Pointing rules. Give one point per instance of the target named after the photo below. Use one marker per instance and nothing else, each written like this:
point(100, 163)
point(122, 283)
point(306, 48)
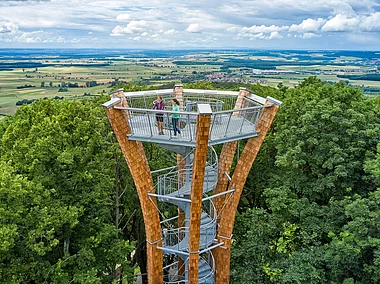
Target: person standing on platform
point(175, 116)
point(159, 105)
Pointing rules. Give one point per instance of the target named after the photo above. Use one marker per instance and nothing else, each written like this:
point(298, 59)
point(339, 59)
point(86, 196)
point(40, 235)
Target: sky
point(179, 24)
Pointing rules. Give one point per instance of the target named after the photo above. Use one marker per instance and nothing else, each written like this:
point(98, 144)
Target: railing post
point(150, 125)
point(242, 121)
point(228, 125)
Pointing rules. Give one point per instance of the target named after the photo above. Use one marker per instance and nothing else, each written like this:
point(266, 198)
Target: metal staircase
point(174, 188)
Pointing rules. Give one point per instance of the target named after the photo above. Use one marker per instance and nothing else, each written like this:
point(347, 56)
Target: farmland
point(27, 75)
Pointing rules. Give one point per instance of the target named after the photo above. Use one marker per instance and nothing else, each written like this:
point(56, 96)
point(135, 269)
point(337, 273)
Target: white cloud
point(123, 17)
point(193, 28)
point(29, 37)
point(132, 28)
point(307, 35)
point(275, 35)
point(272, 35)
point(74, 20)
point(259, 32)
point(340, 23)
point(371, 23)
point(56, 39)
point(117, 31)
point(264, 29)
point(171, 32)
point(308, 25)
point(257, 36)
point(8, 28)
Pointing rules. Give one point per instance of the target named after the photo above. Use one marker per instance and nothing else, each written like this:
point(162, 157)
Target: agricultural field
point(27, 75)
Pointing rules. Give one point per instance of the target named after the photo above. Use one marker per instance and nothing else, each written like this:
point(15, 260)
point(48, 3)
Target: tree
point(308, 179)
point(200, 85)
point(28, 216)
point(58, 202)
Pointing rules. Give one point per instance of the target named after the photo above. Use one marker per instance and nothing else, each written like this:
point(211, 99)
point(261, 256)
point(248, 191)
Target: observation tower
point(189, 208)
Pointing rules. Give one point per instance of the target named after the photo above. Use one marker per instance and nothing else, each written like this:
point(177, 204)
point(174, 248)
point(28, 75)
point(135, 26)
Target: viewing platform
point(231, 118)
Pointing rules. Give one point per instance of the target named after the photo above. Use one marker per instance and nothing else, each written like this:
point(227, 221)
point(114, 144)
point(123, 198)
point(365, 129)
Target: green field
point(46, 81)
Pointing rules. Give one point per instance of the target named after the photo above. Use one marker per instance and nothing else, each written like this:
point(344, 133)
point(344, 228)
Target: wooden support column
point(200, 157)
point(226, 157)
point(178, 94)
point(137, 162)
point(227, 216)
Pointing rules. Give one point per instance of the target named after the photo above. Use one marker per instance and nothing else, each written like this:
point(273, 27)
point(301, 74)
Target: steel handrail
point(171, 183)
point(185, 112)
point(212, 268)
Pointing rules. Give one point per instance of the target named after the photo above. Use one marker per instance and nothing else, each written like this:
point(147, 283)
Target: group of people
point(160, 105)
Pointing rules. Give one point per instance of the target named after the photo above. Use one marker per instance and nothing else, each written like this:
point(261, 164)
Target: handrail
point(211, 92)
point(155, 111)
point(185, 112)
point(212, 268)
point(163, 170)
point(175, 279)
point(169, 184)
point(215, 164)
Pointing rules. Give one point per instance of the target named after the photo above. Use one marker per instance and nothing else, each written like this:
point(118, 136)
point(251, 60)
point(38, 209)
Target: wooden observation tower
point(200, 185)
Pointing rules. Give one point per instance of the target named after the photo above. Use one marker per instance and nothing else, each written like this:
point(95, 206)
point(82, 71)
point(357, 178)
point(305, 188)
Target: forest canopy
point(309, 212)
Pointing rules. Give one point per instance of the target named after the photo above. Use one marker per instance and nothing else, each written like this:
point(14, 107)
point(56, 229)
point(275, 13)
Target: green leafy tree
point(311, 165)
point(64, 229)
point(203, 85)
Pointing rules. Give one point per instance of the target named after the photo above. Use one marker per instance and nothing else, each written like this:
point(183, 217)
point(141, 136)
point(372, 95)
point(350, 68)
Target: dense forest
point(369, 77)
point(310, 211)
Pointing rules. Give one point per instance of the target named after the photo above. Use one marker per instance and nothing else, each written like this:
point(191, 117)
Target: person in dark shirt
point(159, 105)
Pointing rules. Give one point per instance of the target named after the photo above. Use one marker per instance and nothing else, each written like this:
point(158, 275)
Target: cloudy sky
point(177, 24)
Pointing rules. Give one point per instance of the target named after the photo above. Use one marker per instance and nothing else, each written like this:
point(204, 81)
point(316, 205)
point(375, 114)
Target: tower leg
point(200, 157)
point(227, 215)
point(138, 164)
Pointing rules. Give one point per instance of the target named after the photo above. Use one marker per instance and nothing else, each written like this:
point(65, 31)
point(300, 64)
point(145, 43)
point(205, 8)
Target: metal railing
point(248, 102)
point(224, 124)
point(206, 260)
point(144, 123)
point(210, 262)
point(191, 103)
point(145, 99)
point(177, 238)
point(234, 123)
point(172, 183)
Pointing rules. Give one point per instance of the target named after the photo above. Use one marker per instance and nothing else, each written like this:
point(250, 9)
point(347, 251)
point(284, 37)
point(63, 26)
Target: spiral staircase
point(174, 188)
